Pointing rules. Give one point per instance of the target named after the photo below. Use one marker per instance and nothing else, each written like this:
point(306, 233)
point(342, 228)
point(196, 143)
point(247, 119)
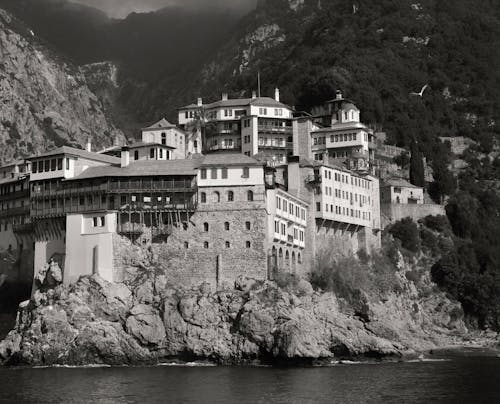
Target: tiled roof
point(241, 102)
point(144, 168)
point(161, 124)
point(229, 159)
point(145, 144)
point(399, 182)
point(71, 151)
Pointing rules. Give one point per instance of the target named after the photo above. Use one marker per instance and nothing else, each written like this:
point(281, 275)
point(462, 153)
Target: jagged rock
point(95, 321)
point(244, 284)
point(45, 102)
point(145, 324)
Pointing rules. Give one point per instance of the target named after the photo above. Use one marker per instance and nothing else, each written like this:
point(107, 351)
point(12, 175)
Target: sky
point(121, 8)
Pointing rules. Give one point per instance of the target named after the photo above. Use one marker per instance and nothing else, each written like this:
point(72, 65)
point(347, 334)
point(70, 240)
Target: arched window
point(228, 244)
point(186, 245)
point(248, 225)
point(246, 172)
point(226, 226)
point(299, 259)
point(280, 258)
point(203, 197)
point(250, 196)
point(287, 259)
point(230, 196)
point(206, 227)
point(216, 197)
point(205, 245)
point(248, 244)
point(294, 267)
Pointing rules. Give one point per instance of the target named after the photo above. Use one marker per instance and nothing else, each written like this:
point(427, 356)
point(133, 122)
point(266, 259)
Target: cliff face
point(45, 102)
point(146, 321)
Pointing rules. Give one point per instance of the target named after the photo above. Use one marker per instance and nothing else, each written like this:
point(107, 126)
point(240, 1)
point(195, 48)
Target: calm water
point(459, 380)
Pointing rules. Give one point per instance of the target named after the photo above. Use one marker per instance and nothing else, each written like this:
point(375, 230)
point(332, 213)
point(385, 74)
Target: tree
point(417, 172)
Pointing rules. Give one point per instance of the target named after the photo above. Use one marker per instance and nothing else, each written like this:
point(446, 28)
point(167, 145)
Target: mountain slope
point(44, 100)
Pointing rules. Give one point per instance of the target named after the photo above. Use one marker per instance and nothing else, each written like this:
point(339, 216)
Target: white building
point(401, 191)
point(256, 125)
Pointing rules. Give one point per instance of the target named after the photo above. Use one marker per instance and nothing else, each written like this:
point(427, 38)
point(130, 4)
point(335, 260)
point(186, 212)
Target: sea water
point(468, 378)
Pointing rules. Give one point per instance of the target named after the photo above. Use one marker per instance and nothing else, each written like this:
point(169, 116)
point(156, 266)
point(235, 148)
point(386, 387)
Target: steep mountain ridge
point(45, 100)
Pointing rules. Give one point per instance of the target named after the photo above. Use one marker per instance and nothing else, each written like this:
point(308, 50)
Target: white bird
point(421, 93)
point(32, 33)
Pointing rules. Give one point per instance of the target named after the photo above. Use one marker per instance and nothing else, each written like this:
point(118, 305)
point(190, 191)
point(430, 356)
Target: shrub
point(429, 241)
point(406, 231)
point(437, 223)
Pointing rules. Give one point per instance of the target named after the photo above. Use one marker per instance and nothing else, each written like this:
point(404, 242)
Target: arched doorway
point(280, 259)
point(287, 260)
point(294, 263)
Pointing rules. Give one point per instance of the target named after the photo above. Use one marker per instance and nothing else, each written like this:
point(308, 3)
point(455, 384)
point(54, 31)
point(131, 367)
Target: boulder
point(145, 325)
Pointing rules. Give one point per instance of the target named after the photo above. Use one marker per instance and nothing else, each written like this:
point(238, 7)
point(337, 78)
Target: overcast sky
point(121, 8)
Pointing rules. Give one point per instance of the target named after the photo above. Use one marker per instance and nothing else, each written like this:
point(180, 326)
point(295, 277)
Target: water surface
point(459, 379)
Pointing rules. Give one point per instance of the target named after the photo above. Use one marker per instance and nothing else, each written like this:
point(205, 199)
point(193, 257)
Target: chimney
point(294, 179)
point(125, 156)
point(88, 146)
point(338, 95)
point(199, 101)
point(277, 94)
point(224, 96)
point(254, 95)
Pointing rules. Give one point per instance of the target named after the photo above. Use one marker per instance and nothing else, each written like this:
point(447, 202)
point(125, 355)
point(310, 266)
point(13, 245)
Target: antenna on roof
point(258, 83)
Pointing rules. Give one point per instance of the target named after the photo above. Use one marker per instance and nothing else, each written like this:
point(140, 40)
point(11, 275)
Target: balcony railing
point(18, 211)
point(275, 129)
point(25, 228)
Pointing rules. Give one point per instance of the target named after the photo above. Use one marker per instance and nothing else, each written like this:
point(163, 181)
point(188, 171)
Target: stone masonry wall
point(193, 255)
point(392, 212)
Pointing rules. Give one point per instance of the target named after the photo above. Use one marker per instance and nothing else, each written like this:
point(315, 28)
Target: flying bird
point(421, 93)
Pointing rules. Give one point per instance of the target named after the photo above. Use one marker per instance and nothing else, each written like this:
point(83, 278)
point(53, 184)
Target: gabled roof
point(71, 151)
point(161, 124)
point(399, 182)
point(229, 159)
point(241, 102)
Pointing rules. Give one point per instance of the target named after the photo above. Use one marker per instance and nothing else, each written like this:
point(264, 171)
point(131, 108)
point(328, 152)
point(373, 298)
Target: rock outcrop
point(146, 321)
point(44, 101)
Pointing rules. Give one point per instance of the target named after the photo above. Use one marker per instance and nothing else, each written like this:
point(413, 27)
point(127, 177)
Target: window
point(246, 172)
point(203, 174)
point(224, 173)
point(248, 225)
point(161, 153)
point(186, 245)
point(217, 197)
point(250, 196)
point(230, 196)
point(248, 244)
point(228, 244)
point(203, 197)
point(81, 201)
point(226, 226)
point(214, 173)
point(228, 112)
point(205, 245)
point(206, 227)
point(35, 167)
point(123, 200)
point(136, 155)
point(59, 164)
point(163, 138)
point(318, 206)
point(152, 153)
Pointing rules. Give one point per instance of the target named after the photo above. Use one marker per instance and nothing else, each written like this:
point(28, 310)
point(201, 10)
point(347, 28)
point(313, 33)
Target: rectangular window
point(203, 174)
point(224, 173)
point(35, 167)
point(318, 206)
point(214, 173)
point(246, 172)
point(53, 165)
point(46, 165)
point(67, 163)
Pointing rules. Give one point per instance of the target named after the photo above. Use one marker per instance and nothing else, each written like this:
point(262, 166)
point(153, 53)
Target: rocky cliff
point(45, 101)
point(148, 321)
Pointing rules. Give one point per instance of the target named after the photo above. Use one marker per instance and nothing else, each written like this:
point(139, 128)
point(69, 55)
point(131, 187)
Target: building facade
point(251, 126)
